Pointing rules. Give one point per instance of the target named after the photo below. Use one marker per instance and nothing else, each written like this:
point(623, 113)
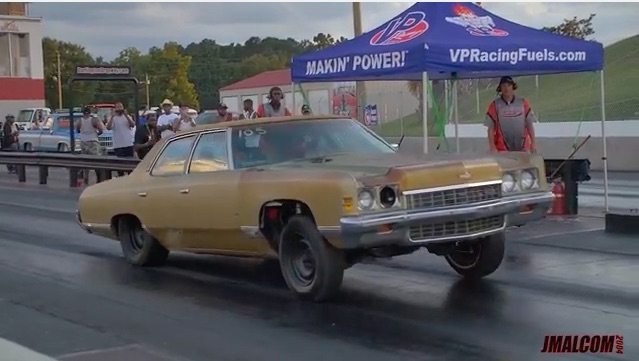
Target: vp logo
point(401, 29)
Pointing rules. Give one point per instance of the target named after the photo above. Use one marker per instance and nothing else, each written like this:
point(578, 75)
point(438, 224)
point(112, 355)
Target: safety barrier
point(103, 165)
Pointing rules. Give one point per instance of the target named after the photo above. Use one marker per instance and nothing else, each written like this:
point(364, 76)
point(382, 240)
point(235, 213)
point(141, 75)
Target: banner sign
point(102, 70)
point(370, 115)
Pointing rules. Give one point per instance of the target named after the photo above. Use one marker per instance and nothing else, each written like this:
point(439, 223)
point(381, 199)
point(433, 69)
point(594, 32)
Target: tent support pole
point(425, 110)
point(456, 114)
point(603, 138)
point(293, 105)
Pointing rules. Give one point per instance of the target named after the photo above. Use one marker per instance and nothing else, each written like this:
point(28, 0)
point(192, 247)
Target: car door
point(209, 212)
point(162, 194)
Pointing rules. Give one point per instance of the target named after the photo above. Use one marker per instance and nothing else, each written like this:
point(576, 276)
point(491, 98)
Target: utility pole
point(59, 78)
point(146, 87)
point(360, 86)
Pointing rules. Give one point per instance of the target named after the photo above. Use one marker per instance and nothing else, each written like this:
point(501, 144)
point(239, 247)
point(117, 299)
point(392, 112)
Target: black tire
point(28, 147)
point(301, 248)
point(138, 246)
point(478, 259)
point(63, 148)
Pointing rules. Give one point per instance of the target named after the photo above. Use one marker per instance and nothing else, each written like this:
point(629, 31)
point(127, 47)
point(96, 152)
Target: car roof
point(258, 121)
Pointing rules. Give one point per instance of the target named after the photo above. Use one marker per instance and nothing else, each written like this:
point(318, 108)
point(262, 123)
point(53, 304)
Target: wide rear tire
point(138, 246)
point(311, 267)
point(478, 259)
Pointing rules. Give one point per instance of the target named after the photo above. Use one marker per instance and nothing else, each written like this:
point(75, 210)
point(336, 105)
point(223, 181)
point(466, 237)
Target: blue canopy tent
point(451, 41)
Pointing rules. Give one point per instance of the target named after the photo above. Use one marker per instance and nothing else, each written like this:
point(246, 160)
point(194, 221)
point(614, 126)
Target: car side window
point(210, 153)
point(174, 156)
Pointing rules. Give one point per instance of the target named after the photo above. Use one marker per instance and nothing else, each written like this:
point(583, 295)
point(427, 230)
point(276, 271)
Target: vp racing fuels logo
point(475, 25)
point(401, 29)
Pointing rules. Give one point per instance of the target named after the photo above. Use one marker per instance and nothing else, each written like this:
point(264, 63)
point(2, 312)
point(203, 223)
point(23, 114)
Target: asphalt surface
point(63, 292)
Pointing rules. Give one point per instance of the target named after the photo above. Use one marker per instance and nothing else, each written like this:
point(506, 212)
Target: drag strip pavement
point(64, 292)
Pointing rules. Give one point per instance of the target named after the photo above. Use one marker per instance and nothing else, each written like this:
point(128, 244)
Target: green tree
point(168, 72)
point(71, 55)
point(322, 41)
point(575, 28)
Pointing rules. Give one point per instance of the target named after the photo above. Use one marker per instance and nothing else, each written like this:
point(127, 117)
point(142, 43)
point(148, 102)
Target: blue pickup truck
point(54, 136)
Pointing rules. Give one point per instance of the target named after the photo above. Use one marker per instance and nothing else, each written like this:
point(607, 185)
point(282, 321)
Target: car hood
point(376, 164)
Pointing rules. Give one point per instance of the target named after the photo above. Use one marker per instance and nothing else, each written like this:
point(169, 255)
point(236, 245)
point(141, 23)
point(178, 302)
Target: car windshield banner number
point(246, 133)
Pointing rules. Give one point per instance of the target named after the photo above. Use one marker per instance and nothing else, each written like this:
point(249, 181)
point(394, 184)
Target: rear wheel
point(63, 148)
point(478, 259)
point(28, 147)
point(311, 267)
point(138, 246)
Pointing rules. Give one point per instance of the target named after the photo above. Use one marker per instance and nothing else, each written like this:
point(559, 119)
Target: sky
point(106, 28)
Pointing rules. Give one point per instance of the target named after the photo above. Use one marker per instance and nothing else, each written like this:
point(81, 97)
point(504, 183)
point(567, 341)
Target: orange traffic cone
point(558, 207)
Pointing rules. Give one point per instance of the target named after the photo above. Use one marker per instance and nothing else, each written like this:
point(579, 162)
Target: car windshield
point(63, 121)
point(265, 144)
point(25, 116)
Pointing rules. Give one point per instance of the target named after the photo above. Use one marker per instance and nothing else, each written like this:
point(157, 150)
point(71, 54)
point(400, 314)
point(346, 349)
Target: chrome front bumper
point(79, 220)
point(392, 228)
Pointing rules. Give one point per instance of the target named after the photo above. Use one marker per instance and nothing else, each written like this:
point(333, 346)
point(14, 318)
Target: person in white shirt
point(89, 128)
point(184, 122)
point(121, 124)
point(166, 121)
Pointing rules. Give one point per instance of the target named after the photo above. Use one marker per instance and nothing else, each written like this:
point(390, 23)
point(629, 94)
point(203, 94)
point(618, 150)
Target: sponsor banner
point(356, 63)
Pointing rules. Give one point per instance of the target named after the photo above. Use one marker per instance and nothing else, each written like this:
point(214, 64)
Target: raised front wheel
point(311, 267)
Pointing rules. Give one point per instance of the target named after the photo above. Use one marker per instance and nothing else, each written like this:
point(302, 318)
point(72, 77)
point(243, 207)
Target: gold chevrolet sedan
point(317, 193)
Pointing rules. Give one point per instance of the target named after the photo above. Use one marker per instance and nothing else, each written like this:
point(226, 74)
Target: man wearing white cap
point(167, 119)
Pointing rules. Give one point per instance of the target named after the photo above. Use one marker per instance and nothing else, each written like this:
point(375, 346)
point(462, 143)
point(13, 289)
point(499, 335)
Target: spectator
point(222, 114)
point(167, 119)
point(509, 120)
point(10, 139)
point(146, 136)
point(184, 122)
point(274, 107)
point(121, 124)
point(89, 127)
point(306, 110)
point(248, 113)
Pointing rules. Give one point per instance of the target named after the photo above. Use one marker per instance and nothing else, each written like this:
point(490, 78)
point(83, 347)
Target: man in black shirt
point(146, 136)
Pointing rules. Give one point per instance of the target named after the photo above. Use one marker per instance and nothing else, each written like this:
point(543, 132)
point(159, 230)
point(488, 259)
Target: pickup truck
point(53, 136)
point(30, 117)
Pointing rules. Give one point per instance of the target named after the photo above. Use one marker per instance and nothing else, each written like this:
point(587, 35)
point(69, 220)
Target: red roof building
point(257, 87)
point(266, 79)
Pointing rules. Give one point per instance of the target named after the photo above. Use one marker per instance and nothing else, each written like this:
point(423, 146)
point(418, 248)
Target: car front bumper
point(393, 228)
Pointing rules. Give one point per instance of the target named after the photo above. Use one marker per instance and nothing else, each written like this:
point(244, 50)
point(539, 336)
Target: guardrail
point(103, 165)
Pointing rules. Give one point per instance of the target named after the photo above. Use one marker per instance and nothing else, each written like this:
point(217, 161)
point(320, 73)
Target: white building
point(21, 63)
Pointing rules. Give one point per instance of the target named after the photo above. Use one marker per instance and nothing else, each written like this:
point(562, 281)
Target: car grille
point(455, 229)
point(453, 197)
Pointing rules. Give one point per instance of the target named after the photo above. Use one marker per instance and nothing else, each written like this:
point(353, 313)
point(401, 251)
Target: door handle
point(142, 194)
point(184, 191)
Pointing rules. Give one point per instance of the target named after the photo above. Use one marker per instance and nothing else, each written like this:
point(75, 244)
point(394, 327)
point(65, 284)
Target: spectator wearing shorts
point(89, 128)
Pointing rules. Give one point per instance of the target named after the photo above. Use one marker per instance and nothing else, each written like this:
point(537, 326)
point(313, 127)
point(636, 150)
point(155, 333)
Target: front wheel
point(478, 259)
point(138, 246)
point(311, 267)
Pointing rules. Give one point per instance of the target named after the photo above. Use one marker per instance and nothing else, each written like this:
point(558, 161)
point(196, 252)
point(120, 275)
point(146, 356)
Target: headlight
point(387, 197)
point(365, 200)
point(529, 180)
point(508, 183)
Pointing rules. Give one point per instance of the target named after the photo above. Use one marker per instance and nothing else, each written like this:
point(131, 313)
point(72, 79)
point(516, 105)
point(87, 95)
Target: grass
point(562, 97)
